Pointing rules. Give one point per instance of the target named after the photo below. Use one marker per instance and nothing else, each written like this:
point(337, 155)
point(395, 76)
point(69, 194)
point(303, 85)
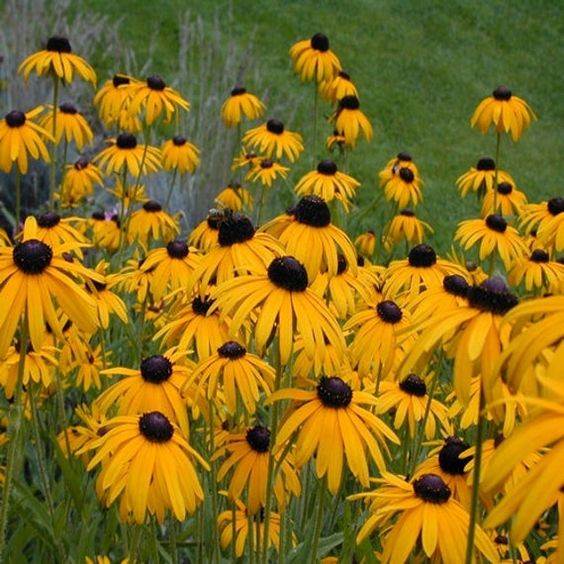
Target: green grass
point(421, 68)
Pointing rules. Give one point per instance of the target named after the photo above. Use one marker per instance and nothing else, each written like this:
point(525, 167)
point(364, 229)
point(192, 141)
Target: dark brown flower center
point(156, 83)
point(502, 93)
point(456, 285)
point(238, 91)
point(344, 75)
point(178, 141)
point(266, 163)
point(100, 216)
point(126, 141)
point(555, 206)
point(15, 118)
point(327, 167)
point(499, 438)
point(431, 488)
point(449, 460)
point(152, 206)
point(389, 311)
point(333, 392)
point(119, 79)
point(486, 163)
point(68, 108)
point(275, 126)
point(538, 255)
point(58, 44)
point(320, 42)
point(155, 427)
point(235, 228)
point(407, 213)
point(504, 188)
point(177, 249)
point(232, 350)
point(492, 295)
point(406, 174)
point(312, 210)
point(496, 223)
point(32, 256)
point(349, 103)
point(414, 386)
point(81, 163)
point(422, 256)
point(288, 273)
point(48, 219)
point(156, 369)
point(404, 156)
point(258, 438)
point(341, 264)
point(201, 307)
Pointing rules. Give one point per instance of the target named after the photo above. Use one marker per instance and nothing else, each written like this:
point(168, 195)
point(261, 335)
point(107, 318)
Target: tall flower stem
point(260, 207)
point(18, 199)
point(171, 187)
point(318, 521)
point(476, 482)
point(54, 143)
point(315, 115)
point(216, 551)
point(497, 144)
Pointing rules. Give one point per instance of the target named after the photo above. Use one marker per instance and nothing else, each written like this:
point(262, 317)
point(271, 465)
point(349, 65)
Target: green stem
point(171, 187)
point(233, 532)
point(154, 541)
point(173, 549)
point(250, 536)
point(315, 113)
point(53, 155)
point(214, 501)
point(497, 144)
point(134, 544)
point(18, 198)
point(318, 521)
point(260, 206)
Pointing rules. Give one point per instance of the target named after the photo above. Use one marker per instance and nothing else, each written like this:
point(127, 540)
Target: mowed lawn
point(421, 68)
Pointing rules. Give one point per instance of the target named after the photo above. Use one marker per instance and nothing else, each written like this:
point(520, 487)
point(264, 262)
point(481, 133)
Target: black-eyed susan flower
point(313, 59)
point(481, 178)
point(248, 458)
point(494, 234)
point(536, 271)
point(153, 97)
point(206, 234)
point(350, 121)
point(240, 103)
point(107, 302)
point(408, 400)
point(235, 197)
point(55, 231)
point(128, 193)
point(312, 238)
point(247, 159)
point(266, 172)
point(180, 155)
point(238, 373)
point(113, 100)
point(334, 425)
point(91, 362)
point(106, 231)
point(328, 183)
point(274, 140)
point(366, 243)
point(20, 139)
point(404, 188)
point(429, 519)
point(155, 386)
point(341, 85)
point(124, 152)
point(335, 141)
point(509, 200)
point(402, 160)
point(152, 223)
point(407, 227)
point(57, 59)
point(146, 460)
point(35, 277)
point(280, 296)
point(505, 111)
point(70, 125)
point(548, 220)
point(79, 180)
point(329, 361)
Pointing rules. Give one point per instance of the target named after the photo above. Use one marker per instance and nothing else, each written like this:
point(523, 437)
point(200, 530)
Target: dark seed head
point(48, 219)
point(496, 223)
point(456, 285)
point(68, 108)
point(404, 156)
point(288, 273)
point(32, 256)
point(341, 264)
point(232, 350)
point(501, 539)
point(275, 126)
point(152, 206)
point(406, 174)
point(81, 163)
point(156, 83)
point(58, 44)
point(200, 307)
point(327, 167)
point(389, 311)
point(238, 90)
point(499, 438)
point(486, 163)
point(555, 206)
point(502, 93)
point(431, 488)
point(349, 103)
point(155, 427)
point(156, 369)
point(126, 141)
point(258, 438)
point(449, 460)
point(333, 392)
point(320, 42)
point(538, 255)
point(360, 260)
point(177, 249)
point(422, 256)
point(492, 295)
point(119, 79)
point(213, 221)
point(100, 216)
point(344, 75)
point(178, 141)
point(414, 386)
point(235, 228)
point(15, 118)
point(266, 163)
point(100, 286)
point(504, 188)
point(407, 213)
point(313, 210)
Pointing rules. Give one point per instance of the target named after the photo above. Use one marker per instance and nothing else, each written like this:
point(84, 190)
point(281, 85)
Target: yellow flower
point(235, 197)
point(113, 100)
point(510, 201)
point(404, 188)
point(151, 223)
point(537, 270)
point(406, 226)
point(337, 87)
point(125, 152)
point(273, 139)
point(366, 243)
point(70, 124)
point(266, 171)
point(240, 103)
point(79, 181)
point(350, 121)
point(393, 166)
point(314, 60)
point(481, 178)
point(179, 155)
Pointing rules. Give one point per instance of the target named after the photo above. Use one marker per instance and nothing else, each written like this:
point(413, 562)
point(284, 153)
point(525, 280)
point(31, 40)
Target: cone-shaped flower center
point(32, 256)
point(320, 42)
point(555, 206)
point(389, 311)
point(492, 295)
point(156, 83)
point(456, 285)
point(349, 103)
point(238, 90)
point(498, 439)
point(414, 386)
point(312, 210)
point(449, 460)
point(119, 79)
point(288, 273)
point(98, 215)
point(152, 206)
point(486, 163)
point(333, 392)
point(404, 156)
point(213, 221)
point(235, 228)
point(258, 438)
point(422, 256)
point(178, 141)
point(275, 126)
point(81, 163)
point(15, 118)
point(100, 286)
point(177, 249)
point(232, 350)
point(538, 255)
point(431, 488)
point(502, 93)
point(156, 369)
point(341, 264)
point(407, 213)
point(155, 427)
point(68, 108)
point(504, 188)
point(344, 75)
point(126, 141)
point(496, 223)
point(48, 219)
point(58, 44)
point(406, 174)
point(266, 163)
point(327, 167)
point(200, 307)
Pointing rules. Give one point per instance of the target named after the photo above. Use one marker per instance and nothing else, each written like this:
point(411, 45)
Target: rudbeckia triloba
point(280, 299)
point(430, 520)
point(155, 386)
point(333, 89)
point(147, 462)
point(536, 270)
point(404, 188)
point(125, 152)
point(106, 231)
point(333, 424)
point(20, 139)
point(405, 226)
point(548, 218)
point(247, 159)
point(366, 243)
point(393, 166)
point(34, 278)
point(328, 183)
point(113, 103)
point(237, 372)
point(151, 223)
point(330, 360)
point(312, 238)
point(351, 121)
point(180, 155)
point(205, 235)
point(505, 111)
point(107, 301)
point(510, 201)
point(240, 103)
point(79, 180)
point(248, 456)
point(408, 399)
point(57, 59)
point(481, 178)
point(335, 141)
point(235, 197)
point(89, 366)
point(494, 235)
point(154, 97)
point(314, 60)
point(54, 231)
point(273, 139)
point(70, 125)
point(266, 171)
point(128, 194)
